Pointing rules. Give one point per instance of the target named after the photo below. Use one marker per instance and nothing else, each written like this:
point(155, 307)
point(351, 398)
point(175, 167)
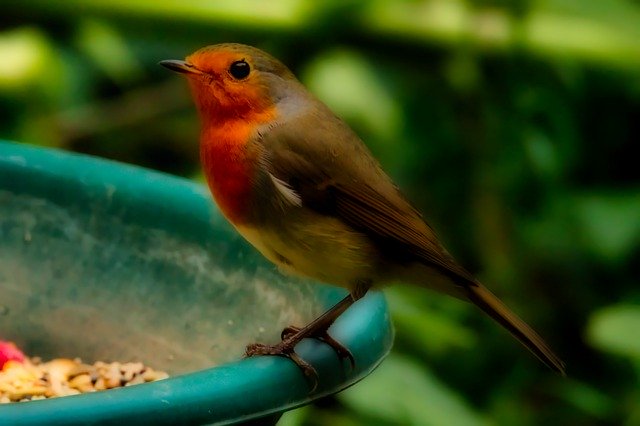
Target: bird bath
point(111, 262)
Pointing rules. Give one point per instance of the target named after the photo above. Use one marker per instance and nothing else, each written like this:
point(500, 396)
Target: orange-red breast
point(302, 188)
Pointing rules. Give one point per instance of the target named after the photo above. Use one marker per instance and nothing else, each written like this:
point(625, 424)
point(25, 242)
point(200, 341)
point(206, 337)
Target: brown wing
point(340, 177)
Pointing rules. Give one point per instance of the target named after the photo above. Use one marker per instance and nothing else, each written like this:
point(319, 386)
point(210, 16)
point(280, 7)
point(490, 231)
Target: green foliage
point(615, 329)
point(511, 124)
point(405, 391)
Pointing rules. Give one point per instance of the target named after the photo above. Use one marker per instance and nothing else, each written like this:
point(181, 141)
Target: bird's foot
point(323, 336)
point(285, 349)
point(317, 328)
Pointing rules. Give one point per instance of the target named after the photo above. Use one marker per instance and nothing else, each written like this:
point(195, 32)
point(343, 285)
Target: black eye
point(239, 69)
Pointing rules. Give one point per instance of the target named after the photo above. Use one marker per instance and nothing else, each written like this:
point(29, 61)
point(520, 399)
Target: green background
point(509, 123)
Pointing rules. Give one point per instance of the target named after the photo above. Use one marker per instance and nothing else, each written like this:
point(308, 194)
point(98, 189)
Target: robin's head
point(234, 79)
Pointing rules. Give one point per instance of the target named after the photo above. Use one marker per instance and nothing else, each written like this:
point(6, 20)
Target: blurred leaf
point(277, 14)
point(428, 329)
point(462, 72)
point(633, 419)
point(403, 391)
point(26, 54)
point(542, 154)
point(545, 29)
point(108, 50)
point(605, 224)
point(622, 14)
point(610, 223)
point(295, 417)
point(586, 398)
point(616, 329)
point(346, 81)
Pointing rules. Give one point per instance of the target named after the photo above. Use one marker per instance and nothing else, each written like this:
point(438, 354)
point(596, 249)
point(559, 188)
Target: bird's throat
point(230, 166)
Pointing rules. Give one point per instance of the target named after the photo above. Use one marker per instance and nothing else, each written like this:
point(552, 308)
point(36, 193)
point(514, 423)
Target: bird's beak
point(180, 66)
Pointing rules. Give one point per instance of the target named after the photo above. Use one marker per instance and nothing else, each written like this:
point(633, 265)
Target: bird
point(301, 187)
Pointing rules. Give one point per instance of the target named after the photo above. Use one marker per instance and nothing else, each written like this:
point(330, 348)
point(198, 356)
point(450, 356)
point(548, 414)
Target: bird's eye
point(239, 69)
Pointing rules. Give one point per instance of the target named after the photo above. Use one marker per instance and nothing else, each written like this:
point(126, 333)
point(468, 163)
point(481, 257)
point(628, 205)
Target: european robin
point(304, 190)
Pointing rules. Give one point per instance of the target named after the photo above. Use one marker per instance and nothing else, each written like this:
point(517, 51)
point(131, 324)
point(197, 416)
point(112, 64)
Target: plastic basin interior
point(107, 261)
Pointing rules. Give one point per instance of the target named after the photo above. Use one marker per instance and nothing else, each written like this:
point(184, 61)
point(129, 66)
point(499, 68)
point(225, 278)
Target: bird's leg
point(321, 333)
point(291, 336)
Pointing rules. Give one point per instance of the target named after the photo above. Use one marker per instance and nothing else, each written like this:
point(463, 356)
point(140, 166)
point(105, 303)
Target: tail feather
point(491, 305)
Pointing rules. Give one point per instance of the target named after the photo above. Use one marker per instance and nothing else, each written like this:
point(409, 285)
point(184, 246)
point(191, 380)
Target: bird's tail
point(491, 305)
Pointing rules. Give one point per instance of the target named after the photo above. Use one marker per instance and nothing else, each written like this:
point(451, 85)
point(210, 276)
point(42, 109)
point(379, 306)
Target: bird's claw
point(323, 336)
point(285, 349)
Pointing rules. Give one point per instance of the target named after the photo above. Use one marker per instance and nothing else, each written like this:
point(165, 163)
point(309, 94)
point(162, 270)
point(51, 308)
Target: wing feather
point(371, 204)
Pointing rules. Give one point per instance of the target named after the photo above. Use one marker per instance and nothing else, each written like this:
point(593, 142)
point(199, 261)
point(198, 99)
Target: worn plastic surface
point(107, 261)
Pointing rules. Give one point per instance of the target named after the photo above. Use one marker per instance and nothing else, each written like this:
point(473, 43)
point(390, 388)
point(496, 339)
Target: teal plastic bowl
point(111, 262)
